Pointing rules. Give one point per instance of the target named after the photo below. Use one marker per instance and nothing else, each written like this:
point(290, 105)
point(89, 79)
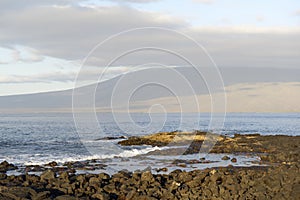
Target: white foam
point(39, 159)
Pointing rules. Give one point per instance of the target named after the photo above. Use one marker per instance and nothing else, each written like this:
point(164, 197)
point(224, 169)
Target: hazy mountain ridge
point(62, 100)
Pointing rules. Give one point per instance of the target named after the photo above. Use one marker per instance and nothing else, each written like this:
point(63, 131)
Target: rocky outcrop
point(281, 182)
point(170, 138)
point(274, 149)
point(278, 179)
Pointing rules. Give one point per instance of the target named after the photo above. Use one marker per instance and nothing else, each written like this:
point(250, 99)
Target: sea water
point(27, 139)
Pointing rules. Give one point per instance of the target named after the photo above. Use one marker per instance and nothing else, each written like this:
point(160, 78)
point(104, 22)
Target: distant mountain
point(178, 81)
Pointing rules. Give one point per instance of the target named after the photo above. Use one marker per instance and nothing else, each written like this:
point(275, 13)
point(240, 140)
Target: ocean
point(29, 139)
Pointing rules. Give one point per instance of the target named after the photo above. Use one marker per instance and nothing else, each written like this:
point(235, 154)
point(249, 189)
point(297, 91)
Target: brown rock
point(41, 195)
point(47, 175)
point(3, 176)
point(131, 195)
point(225, 158)
point(65, 197)
point(5, 166)
point(101, 196)
point(52, 164)
point(147, 176)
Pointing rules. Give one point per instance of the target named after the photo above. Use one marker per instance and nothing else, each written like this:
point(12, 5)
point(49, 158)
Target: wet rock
point(147, 169)
point(225, 158)
point(181, 165)
point(34, 168)
point(195, 161)
point(112, 138)
point(278, 180)
point(52, 164)
point(141, 141)
point(5, 166)
point(164, 169)
point(177, 161)
point(234, 160)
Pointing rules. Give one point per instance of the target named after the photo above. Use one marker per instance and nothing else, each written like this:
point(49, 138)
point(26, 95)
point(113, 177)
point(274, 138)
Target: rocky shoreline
point(277, 178)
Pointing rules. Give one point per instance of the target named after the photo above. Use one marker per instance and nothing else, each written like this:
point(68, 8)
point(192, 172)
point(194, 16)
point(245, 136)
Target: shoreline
point(276, 176)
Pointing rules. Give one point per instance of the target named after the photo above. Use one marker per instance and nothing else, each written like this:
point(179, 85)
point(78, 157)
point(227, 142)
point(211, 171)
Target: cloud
point(71, 32)
point(6, 55)
point(91, 73)
point(204, 1)
point(26, 54)
point(260, 18)
point(39, 78)
point(296, 13)
point(19, 54)
point(134, 1)
point(11, 5)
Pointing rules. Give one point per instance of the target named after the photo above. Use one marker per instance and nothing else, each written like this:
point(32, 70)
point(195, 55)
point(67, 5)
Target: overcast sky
point(43, 42)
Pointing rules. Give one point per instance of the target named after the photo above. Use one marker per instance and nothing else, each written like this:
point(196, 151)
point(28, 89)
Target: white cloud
point(13, 5)
point(71, 32)
point(19, 54)
point(7, 55)
point(260, 18)
point(135, 1)
point(39, 78)
point(26, 54)
point(297, 13)
point(204, 1)
point(247, 29)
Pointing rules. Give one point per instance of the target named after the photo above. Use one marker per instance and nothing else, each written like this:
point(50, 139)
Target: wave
point(41, 159)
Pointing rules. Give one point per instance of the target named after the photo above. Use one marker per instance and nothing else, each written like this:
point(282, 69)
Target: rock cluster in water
point(278, 179)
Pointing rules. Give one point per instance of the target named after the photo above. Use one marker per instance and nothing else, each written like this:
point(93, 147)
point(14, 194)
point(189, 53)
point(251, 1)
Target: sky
point(43, 44)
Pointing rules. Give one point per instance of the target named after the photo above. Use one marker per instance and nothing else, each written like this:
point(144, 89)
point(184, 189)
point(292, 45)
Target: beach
point(275, 176)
